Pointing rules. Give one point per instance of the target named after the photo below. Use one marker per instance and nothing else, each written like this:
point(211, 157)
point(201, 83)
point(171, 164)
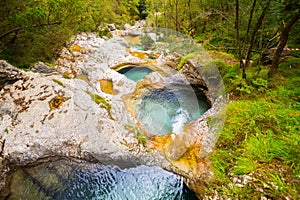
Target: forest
point(254, 43)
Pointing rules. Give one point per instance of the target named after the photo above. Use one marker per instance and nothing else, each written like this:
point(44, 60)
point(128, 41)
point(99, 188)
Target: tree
point(288, 7)
point(237, 27)
point(143, 9)
point(255, 30)
point(35, 30)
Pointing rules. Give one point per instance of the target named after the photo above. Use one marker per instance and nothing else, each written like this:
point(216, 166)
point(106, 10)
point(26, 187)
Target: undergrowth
point(257, 154)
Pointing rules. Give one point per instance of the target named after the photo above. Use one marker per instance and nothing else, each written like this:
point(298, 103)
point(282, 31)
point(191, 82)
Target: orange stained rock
point(57, 101)
point(189, 161)
point(76, 47)
point(194, 168)
point(160, 142)
point(143, 55)
point(107, 86)
point(140, 55)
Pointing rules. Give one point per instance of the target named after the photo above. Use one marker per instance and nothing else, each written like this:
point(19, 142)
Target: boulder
point(127, 27)
point(41, 67)
point(111, 27)
point(9, 74)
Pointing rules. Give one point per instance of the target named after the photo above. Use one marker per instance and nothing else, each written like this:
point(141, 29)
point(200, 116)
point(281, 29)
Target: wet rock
point(9, 74)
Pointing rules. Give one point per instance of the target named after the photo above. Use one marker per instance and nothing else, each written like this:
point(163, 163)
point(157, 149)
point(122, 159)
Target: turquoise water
point(168, 109)
point(139, 47)
point(66, 179)
point(135, 73)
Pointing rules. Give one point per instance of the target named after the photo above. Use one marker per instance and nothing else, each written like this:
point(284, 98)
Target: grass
point(58, 82)
point(142, 139)
point(102, 102)
point(184, 59)
point(261, 135)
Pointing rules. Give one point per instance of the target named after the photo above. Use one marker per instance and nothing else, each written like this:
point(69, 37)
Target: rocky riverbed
point(82, 107)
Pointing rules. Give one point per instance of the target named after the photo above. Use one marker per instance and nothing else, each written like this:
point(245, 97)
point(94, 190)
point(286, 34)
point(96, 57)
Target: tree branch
point(21, 28)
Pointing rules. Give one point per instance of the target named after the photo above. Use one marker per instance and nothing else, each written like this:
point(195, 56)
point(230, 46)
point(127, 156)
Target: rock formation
point(79, 110)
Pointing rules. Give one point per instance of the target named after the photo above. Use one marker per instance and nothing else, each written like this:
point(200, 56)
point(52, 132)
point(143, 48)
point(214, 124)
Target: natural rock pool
point(152, 117)
point(168, 109)
point(135, 73)
point(66, 178)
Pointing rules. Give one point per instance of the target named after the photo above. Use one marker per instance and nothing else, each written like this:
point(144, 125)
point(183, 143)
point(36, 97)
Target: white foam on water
point(182, 116)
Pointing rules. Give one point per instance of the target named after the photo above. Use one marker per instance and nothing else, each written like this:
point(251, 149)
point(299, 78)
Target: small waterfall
point(65, 179)
point(168, 109)
point(182, 117)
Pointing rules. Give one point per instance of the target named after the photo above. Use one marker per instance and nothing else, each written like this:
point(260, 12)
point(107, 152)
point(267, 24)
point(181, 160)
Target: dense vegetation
point(261, 72)
point(35, 30)
point(258, 154)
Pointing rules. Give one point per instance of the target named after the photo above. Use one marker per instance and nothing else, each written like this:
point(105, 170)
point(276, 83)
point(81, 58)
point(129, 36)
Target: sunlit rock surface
point(86, 109)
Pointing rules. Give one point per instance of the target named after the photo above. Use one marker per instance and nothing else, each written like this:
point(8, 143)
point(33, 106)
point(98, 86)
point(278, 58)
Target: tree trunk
point(248, 27)
point(191, 23)
point(237, 28)
point(282, 42)
point(257, 26)
point(261, 49)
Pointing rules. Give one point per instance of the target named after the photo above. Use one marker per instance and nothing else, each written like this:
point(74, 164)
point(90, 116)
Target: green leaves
point(35, 30)
point(6, 131)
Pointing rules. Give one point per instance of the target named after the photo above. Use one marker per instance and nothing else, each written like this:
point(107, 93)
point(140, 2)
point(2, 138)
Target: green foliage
point(143, 9)
point(141, 138)
point(244, 166)
point(256, 83)
point(239, 86)
point(104, 32)
point(102, 102)
point(261, 135)
point(255, 56)
point(147, 42)
point(59, 82)
point(66, 76)
point(260, 84)
point(296, 53)
point(258, 138)
point(183, 60)
point(38, 29)
point(290, 63)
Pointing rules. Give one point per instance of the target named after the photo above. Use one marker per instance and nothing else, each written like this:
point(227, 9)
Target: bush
point(147, 42)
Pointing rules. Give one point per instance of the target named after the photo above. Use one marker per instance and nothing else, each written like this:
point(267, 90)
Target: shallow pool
point(168, 109)
point(66, 178)
point(135, 73)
